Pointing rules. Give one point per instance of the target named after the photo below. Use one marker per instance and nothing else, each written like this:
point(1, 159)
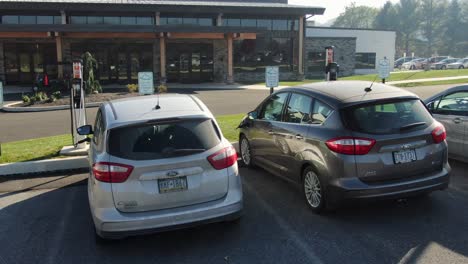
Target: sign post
point(77, 103)
point(271, 77)
point(145, 83)
point(384, 69)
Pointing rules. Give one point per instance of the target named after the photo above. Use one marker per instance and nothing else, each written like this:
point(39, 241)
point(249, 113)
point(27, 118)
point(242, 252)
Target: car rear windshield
point(388, 117)
point(158, 140)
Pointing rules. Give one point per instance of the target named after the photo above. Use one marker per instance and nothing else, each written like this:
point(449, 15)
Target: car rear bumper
point(348, 189)
point(111, 223)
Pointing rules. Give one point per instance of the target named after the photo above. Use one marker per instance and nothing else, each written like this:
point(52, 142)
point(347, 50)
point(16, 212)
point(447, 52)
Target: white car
point(157, 164)
point(414, 64)
point(460, 64)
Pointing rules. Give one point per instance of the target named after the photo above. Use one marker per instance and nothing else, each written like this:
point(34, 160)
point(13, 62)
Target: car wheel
point(413, 67)
point(443, 67)
point(313, 190)
point(461, 67)
point(245, 152)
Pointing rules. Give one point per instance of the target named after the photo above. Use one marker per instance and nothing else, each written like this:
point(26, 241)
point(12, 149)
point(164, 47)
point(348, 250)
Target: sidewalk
point(428, 80)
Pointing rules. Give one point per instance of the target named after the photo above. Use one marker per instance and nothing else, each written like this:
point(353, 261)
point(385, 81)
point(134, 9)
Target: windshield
point(164, 140)
point(388, 117)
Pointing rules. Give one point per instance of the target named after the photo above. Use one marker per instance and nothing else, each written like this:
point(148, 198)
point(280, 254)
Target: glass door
point(122, 66)
point(184, 68)
point(25, 67)
point(195, 69)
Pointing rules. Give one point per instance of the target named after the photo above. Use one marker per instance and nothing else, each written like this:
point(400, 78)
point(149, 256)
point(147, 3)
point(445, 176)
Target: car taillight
point(439, 134)
point(224, 158)
point(111, 172)
point(350, 145)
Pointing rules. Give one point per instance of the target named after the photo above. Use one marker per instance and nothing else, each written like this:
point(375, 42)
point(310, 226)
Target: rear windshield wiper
point(409, 126)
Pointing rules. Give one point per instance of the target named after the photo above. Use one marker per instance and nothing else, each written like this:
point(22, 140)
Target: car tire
point(443, 67)
point(245, 152)
point(413, 67)
point(313, 189)
point(461, 67)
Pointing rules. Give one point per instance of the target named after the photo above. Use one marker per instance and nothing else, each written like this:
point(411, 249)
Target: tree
point(90, 65)
point(454, 30)
point(432, 16)
point(408, 20)
point(356, 17)
point(386, 17)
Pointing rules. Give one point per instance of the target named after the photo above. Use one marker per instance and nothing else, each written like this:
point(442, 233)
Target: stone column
point(301, 46)
point(58, 45)
point(162, 56)
point(230, 76)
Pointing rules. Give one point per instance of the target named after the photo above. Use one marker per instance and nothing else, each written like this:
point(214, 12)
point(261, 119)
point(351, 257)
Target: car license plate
point(172, 184)
point(404, 156)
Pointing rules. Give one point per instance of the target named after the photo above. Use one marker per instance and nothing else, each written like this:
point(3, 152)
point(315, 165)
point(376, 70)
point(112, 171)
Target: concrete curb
point(41, 166)
point(10, 108)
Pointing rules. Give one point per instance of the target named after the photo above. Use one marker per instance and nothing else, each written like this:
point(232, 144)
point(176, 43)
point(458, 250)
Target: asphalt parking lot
point(47, 220)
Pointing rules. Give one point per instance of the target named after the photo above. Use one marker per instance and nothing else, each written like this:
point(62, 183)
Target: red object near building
point(45, 81)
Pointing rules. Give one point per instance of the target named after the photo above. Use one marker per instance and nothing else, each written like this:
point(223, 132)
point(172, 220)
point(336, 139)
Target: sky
point(335, 7)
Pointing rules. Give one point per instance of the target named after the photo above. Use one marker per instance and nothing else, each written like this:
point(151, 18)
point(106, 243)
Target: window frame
point(437, 111)
point(265, 102)
point(312, 102)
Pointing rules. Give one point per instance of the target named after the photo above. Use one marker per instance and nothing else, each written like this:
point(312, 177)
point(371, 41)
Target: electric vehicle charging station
point(331, 67)
point(77, 111)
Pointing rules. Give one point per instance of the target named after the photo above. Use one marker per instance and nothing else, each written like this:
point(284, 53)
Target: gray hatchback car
point(347, 141)
point(159, 164)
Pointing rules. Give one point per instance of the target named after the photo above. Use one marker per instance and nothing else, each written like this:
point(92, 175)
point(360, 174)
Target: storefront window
point(194, 21)
point(253, 55)
point(280, 24)
point(95, 20)
point(127, 20)
point(249, 22)
point(111, 20)
point(78, 20)
point(264, 23)
point(30, 20)
point(365, 61)
point(144, 21)
point(232, 22)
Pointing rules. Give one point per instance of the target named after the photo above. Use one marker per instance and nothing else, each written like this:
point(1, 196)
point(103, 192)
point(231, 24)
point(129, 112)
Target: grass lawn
point(459, 81)
point(49, 147)
point(34, 149)
point(411, 75)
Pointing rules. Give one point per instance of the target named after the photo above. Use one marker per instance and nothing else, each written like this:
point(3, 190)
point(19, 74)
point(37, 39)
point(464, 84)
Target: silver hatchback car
point(158, 165)
point(345, 141)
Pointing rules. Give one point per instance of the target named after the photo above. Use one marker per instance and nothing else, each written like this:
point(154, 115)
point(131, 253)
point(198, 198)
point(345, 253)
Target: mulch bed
point(90, 98)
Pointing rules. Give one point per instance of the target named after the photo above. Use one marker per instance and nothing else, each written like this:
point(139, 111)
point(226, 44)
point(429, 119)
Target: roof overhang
point(186, 7)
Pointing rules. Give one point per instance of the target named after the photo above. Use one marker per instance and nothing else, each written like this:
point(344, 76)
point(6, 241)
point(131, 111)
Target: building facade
point(357, 51)
point(179, 41)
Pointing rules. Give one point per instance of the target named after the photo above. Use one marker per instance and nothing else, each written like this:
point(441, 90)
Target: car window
point(455, 103)
point(98, 127)
point(273, 108)
point(163, 140)
point(320, 112)
point(298, 110)
point(388, 117)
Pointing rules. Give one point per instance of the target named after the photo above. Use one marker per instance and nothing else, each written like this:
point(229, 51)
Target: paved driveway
point(47, 220)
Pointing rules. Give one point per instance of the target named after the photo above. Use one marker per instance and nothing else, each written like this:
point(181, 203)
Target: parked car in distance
point(460, 64)
point(347, 140)
point(414, 64)
point(399, 62)
point(442, 65)
point(159, 164)
point(450, 108)
point(437, 59)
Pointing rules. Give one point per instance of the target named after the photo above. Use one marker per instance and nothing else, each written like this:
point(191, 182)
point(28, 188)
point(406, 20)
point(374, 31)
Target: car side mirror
point(85, 130)
point(253, 115)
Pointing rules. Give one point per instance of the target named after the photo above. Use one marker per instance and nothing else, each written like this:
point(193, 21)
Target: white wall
point(380, 42)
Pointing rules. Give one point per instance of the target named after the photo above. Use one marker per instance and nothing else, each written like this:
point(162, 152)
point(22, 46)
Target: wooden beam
point(301, 45)
point(247, 36)
point(230, 77)
point(23, 35)
point(175, 35)
point(162, 56)
point(85, 35)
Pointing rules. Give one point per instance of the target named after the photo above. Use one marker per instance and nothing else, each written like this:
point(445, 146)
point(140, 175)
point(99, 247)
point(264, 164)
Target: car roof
point(345, 93)
point(143, 108)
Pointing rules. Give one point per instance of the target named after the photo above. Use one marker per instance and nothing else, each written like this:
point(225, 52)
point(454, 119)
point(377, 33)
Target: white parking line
point(301, 244)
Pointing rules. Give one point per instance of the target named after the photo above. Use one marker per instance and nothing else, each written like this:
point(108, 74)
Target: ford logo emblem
point(172, 173)
point(406, 146)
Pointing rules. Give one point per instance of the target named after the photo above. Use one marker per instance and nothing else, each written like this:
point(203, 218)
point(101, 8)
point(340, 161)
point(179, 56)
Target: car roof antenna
point(157, 104)
point(369, 89)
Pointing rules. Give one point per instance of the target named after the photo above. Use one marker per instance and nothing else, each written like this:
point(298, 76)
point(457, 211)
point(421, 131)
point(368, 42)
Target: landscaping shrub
point(132, 88)
point(26, 99)
point(56, 95)
point(162, 89)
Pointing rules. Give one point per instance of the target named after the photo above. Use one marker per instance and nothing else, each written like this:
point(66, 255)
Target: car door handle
point(299, 136)
point(457, 120)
